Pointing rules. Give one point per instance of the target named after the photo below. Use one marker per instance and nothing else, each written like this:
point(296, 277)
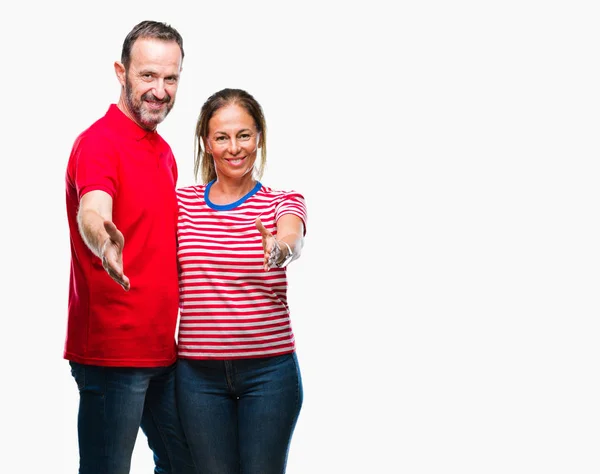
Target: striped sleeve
point(292, 202)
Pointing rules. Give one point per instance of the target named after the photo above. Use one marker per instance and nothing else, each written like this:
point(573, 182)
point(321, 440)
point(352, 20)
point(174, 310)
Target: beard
point(148, 118)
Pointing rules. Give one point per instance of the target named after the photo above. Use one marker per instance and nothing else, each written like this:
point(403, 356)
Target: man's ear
point(120, 72)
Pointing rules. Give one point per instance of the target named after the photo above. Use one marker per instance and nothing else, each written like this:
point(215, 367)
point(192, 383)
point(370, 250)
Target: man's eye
point(171, 80)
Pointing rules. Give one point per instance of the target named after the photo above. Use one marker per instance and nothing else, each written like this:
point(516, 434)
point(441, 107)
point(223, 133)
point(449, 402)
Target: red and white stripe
point(230, 307)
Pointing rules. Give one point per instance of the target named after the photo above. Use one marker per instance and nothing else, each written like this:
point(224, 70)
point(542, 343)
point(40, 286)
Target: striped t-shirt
point(230, 308)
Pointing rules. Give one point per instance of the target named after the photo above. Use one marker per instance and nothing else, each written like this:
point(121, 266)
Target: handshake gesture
point(277, 252)
point(111, 254)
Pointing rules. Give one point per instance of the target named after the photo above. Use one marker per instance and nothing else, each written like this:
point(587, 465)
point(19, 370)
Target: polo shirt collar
point(126, 125)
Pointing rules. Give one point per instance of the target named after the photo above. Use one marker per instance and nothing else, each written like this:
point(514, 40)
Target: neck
point(226, 192)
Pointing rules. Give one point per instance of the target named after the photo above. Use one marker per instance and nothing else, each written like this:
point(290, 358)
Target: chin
point(152, 120)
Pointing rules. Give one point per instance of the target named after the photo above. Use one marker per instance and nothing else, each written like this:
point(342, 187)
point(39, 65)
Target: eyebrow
point(239, 131)
point(152, 72)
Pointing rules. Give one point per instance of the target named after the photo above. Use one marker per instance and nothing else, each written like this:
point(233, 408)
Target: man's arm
point(100, 234)
point(95, 208)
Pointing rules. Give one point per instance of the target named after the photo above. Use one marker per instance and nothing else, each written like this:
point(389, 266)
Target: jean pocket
point(78, 373)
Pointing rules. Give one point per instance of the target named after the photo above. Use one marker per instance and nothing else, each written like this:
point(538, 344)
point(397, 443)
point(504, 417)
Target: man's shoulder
point(99, 129)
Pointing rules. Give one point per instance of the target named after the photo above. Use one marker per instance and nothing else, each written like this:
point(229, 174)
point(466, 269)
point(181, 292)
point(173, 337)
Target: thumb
point(261, 228)
point(113, 233)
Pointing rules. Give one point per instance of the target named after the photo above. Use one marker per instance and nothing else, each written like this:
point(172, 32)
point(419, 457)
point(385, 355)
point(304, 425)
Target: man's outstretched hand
point(112, 255)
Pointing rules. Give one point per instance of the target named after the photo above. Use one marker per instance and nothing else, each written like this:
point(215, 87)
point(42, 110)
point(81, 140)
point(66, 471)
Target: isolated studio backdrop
point(444, 306)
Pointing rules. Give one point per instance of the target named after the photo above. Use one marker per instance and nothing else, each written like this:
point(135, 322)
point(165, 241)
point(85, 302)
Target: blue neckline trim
point(233, 205)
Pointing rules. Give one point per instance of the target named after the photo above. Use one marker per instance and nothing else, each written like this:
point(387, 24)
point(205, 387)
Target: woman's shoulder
point(190, 189)
point(280, 193)
point(192, 192)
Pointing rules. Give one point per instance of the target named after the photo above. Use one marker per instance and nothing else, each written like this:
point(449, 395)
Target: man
point(123, 292)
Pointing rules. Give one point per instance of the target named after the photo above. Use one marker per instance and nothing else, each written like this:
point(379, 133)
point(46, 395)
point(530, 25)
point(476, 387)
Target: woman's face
point(233, 141)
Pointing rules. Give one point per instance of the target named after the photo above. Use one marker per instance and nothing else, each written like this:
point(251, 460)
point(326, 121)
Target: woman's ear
point(206, 145)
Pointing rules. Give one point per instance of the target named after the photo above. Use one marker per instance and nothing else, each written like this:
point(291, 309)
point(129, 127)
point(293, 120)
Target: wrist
point(286, 253)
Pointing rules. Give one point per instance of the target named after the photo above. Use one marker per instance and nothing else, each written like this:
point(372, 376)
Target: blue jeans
point(113, 403)
point(239, 415)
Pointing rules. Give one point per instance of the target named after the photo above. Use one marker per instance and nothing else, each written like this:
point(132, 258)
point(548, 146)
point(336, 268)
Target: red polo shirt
point(107, 325)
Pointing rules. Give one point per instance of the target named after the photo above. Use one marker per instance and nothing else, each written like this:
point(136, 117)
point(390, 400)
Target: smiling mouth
point(155, 105)
point(235, 161)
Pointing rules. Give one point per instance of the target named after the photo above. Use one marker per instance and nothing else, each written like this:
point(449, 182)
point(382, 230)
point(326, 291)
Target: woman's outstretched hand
point(270, 246)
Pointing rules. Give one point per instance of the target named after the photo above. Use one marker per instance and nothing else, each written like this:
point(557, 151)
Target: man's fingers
point(125, 284)
point(114, 233)
point(119, 278)
point(111, 259)
point(116, 273)
point(110, 227)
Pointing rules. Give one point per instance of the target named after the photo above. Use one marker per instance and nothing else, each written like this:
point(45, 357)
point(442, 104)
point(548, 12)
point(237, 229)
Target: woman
point(238, 381)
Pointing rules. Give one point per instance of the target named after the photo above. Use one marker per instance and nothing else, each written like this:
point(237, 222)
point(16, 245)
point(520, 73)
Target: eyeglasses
point(223, 141)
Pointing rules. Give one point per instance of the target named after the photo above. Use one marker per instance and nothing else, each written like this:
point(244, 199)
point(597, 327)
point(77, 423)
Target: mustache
point(150, 96)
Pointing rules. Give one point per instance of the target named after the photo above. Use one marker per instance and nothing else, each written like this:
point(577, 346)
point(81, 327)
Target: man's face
point(151, 80)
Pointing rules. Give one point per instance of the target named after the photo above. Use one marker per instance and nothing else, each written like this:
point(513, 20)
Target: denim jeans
point(239, 415)
point(114, 402)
